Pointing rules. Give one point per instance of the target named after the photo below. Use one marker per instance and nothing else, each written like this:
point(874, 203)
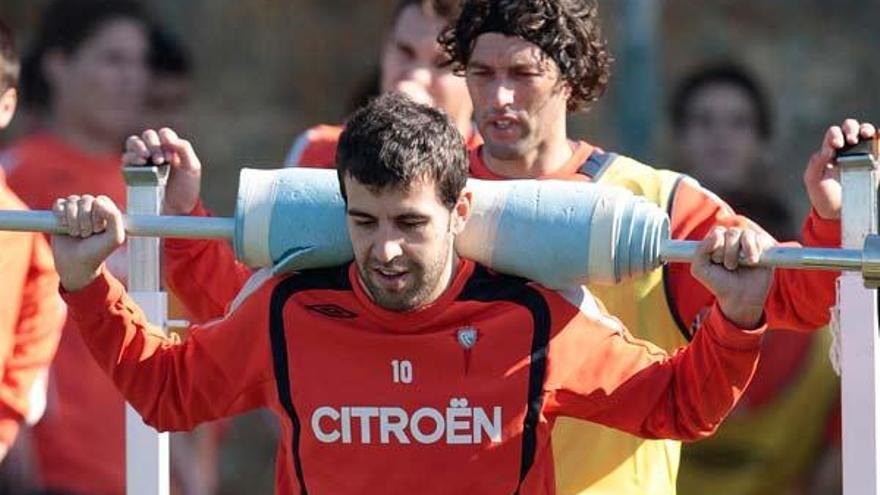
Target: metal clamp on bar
point(142, 176)
point(864, 150)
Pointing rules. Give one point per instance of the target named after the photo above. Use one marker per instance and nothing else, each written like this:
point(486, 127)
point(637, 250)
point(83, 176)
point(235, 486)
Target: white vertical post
point(146, 450)
point(860, 340)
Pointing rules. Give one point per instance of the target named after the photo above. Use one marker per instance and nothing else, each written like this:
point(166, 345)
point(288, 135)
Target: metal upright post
point(860, 340)
point(146, 450)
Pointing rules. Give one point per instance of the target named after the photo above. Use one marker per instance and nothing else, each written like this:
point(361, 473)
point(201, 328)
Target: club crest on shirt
point(467, 337)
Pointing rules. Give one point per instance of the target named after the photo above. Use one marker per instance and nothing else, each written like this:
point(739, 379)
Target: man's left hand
point(821, 177)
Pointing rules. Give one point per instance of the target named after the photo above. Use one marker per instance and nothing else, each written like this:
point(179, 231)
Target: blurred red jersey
point(31, 316)
point(80, 442)
point(316, 147)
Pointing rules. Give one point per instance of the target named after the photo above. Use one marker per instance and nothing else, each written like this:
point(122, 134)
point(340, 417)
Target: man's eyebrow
point(413, 215)
point(403, 44)
point(476, 64)
point(354, 212)
point(526, 65)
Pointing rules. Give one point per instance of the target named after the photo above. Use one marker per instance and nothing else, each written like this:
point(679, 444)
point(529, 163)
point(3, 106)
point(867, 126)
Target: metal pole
point(860, 347)
point(181, 227)
point(672, 251)
point(146, 450)
point(866, 260)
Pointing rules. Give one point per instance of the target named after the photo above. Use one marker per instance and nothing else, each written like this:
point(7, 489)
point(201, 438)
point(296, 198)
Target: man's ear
point(461, 213)
point(8, 102)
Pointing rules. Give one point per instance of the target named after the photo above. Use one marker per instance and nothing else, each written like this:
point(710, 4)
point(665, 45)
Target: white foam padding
point(558, 233)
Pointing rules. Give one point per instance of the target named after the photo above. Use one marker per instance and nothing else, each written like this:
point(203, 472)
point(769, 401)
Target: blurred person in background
point(722, 128)
point(411, 63)
point(31, 312)
point(86, 72)
point(169, 94)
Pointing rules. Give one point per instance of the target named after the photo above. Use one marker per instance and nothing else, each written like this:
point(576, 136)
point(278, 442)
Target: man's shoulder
point(619, 162)
point(264, 285)
point(486, 284)
point(655, 183)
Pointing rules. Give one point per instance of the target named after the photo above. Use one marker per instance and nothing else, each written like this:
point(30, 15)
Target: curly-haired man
point(527, 64)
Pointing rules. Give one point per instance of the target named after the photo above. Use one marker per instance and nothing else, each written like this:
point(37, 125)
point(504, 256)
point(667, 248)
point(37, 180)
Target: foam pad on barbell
point(558, 233)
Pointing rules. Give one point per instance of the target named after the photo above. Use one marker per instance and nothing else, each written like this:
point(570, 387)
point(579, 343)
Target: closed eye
point(413, 224)
point(405, 50)
point(364, 222)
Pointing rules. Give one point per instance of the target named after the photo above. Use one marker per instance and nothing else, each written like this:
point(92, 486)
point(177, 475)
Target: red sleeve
point(598, 372)
point(221, 368)
point(204, 275)
point(798, 300)
point(315, 148)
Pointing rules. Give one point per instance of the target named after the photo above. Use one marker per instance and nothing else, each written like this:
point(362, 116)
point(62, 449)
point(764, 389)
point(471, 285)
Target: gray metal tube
point(185, 227)
point(182, 227)
point(778, 257)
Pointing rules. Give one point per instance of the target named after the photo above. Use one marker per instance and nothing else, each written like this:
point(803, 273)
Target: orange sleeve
point(221, 368)
point(798, 300)
point(600, 373)
point(37, 333)
point(204, 275)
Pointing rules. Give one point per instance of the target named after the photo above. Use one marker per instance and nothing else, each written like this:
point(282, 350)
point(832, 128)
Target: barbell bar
point(559, 233)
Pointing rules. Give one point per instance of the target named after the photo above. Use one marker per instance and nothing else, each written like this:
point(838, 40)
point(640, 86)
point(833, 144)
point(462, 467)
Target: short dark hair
point(566, 31)
point(393, 142)
point(444, 9)
point(9, 64)
point(66, 25)
point(717, 74)
point(168, 56)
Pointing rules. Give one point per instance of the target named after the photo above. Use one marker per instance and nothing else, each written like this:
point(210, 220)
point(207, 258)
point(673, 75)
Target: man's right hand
point(165, 146)
point(94, 230)
point(725, 265)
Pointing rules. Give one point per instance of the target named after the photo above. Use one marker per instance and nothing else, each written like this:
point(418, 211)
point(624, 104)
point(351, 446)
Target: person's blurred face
point(517, 94)
point(719, 141)
point(412, 64)
point(8, 102)
point(403, 242)
point(101, 85)
point(167, 102)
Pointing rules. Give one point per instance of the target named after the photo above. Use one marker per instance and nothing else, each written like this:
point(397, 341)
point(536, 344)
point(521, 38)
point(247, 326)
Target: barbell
point(558, 233)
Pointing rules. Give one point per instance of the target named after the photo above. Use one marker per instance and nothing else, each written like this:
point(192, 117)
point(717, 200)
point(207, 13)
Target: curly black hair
point(567, 31)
